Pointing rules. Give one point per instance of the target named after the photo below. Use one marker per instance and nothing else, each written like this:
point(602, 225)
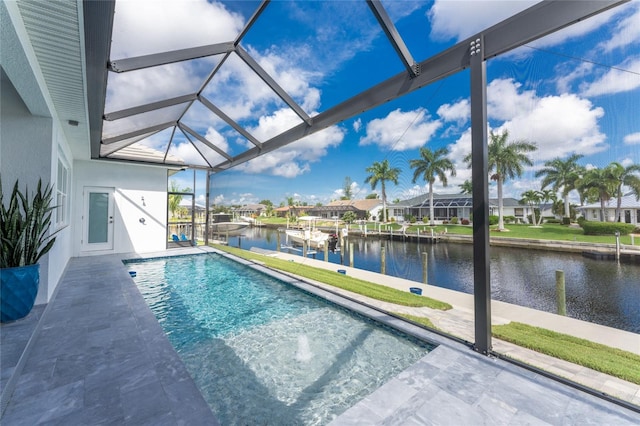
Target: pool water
point(263, 352)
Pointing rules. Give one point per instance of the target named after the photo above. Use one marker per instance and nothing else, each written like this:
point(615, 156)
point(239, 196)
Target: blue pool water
point(262, 351)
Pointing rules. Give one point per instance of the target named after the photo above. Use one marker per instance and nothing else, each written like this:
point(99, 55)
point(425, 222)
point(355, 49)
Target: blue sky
point(575, 91)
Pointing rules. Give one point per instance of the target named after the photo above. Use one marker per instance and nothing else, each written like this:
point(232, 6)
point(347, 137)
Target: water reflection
point(599, 291)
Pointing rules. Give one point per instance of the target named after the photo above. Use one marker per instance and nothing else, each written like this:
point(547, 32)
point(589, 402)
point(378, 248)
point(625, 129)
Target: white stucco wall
point(28, 152)
point(131, 183)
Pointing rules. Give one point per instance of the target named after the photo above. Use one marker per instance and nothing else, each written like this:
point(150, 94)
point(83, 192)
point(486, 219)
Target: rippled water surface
point(262, 352)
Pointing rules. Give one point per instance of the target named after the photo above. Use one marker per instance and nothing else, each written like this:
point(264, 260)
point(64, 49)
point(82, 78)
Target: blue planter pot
point(18, 290)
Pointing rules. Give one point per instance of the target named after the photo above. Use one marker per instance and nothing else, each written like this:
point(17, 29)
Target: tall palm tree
point(601, 182)
point(506, 161)
point(625, 176)
point(382, 172)
point(432, 165)
point(562, 175)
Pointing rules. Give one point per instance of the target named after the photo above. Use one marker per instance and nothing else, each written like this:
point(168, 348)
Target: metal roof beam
point(217, 111)
point(163, 58)
point(202, 139)
point(251, 21)
point(537, 21)
point(394, 37)
point(116, 115)
point(196, 148)
point(138, 132)
point(244, 55)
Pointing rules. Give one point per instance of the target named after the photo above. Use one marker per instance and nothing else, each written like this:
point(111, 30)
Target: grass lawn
point(365, 288)
point(615, 362)
point(419, 320)
point(551, 231)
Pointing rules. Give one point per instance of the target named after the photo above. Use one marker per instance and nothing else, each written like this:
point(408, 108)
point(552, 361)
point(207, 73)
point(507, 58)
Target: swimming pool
point(264, 352)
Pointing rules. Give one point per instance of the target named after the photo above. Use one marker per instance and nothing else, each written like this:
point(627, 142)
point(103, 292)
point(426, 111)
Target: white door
point(98, 219)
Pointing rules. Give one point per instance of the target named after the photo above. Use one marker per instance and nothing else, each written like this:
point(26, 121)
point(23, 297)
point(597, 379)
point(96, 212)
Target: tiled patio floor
point(100, 357)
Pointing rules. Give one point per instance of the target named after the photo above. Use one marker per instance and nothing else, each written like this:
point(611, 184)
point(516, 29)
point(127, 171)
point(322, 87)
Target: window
point(518, 211)
point(62, 194)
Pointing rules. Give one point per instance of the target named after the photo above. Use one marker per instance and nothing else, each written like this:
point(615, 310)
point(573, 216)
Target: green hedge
point(606, 228)
point(493, 220)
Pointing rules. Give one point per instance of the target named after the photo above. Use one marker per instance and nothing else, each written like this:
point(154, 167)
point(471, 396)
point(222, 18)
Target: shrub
point(509, 219)
point(607, 228)
point(554, 220)
point(493, 220)
point(464, 221)
point(454, 220)
point(581, 220)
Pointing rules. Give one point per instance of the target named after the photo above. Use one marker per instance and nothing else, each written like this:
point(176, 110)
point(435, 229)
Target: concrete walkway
point(99, 356)
point(459, 323)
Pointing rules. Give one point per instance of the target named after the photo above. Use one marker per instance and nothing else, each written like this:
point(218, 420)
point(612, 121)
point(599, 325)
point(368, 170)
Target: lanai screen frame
point(535, 22)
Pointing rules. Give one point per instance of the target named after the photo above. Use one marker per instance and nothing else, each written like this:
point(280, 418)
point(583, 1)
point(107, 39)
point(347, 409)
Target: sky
point(576, 91)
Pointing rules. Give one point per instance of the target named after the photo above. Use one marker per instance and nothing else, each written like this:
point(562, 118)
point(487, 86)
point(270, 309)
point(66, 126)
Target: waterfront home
point(292, 211)
point(629, 210)
point(363, 209)
point(448, 206)
point(251, 210)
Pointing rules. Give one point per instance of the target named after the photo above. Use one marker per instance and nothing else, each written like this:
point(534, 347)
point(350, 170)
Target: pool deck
point(96, 355)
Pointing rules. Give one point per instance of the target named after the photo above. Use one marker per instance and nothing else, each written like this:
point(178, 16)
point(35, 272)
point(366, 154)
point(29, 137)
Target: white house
point(447, 206)
point(368, 208)
point(629, 210)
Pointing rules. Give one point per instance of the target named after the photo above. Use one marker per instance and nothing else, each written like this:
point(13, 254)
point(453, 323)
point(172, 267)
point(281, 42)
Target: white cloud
point(187, 153)
point(133, 88)
point(626, 162)
point(294, 80)
point(461, 19)
point(459, 112)
point(615, 80)
point(293, 159)
point(357, 125)
point(632, 139)
point(505, 100)
point(219, 199)
point(627, 30)
point(570, 74)
point(401, 131)
point(559, 125)
point(144, 27)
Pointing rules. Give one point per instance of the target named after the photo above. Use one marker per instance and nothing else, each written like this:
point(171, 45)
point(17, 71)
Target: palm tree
point(562, 176)
point(382, 172)
point(466, 187)
point(546, 196)
point(430, 165)
point(532, 199)
point(506, 160)
point(625, 176)
point(600, 182)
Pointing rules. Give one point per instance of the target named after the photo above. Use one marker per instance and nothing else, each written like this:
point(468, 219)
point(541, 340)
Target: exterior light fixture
point(73, 123)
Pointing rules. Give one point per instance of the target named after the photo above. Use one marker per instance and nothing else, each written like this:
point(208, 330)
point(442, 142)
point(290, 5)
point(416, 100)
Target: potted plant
point(24, 235)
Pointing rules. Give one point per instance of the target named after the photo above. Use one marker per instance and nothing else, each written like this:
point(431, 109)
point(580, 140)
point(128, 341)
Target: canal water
point(599, 291)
